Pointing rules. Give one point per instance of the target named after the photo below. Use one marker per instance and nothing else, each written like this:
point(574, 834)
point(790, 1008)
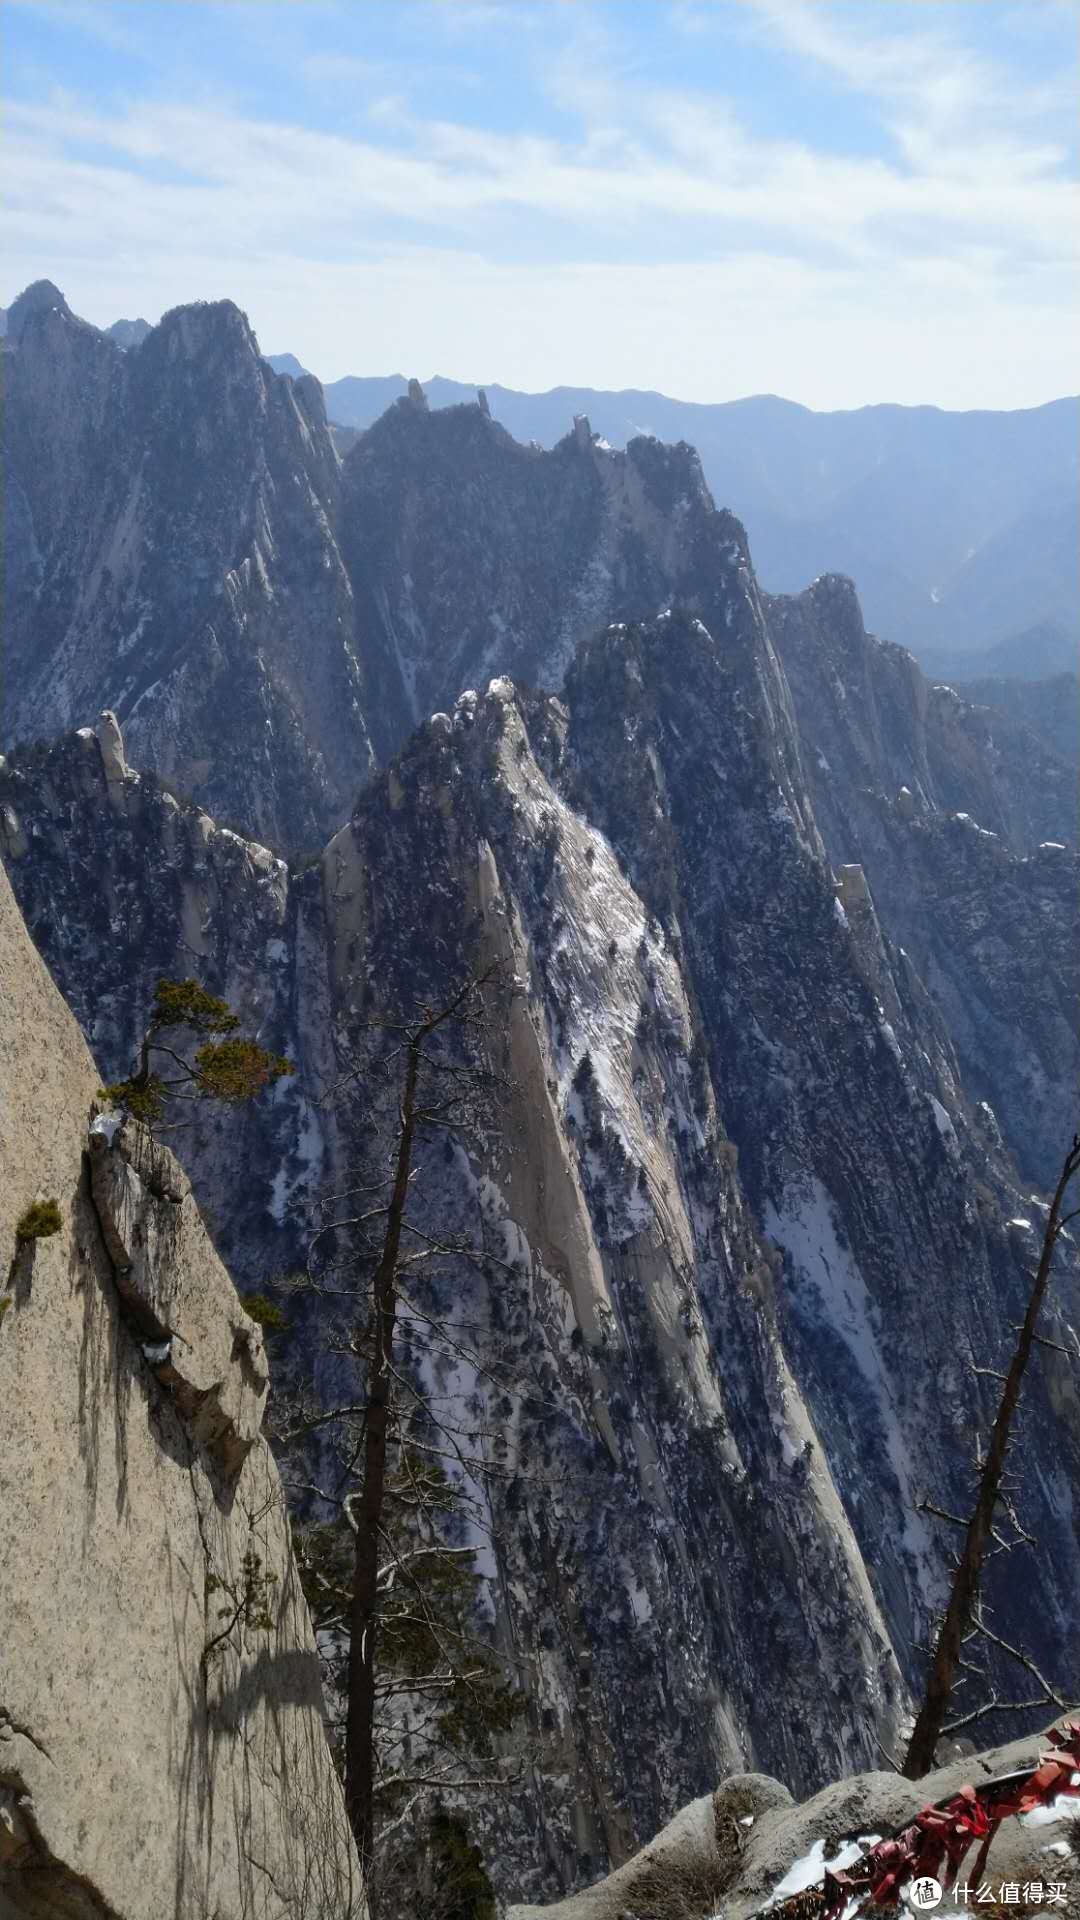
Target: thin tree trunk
point(965, 1588)
point(368, 1510)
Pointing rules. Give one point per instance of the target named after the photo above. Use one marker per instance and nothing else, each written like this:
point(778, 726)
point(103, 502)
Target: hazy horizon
point(561, 385)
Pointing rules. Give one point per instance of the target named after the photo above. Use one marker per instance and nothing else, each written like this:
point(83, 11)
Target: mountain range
point(788, 1047)
point(960, 528)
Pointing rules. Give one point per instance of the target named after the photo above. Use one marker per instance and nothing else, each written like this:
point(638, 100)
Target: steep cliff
point(170, 554)
point(964, 822)
point(871, 723)
point(749, 1245)
point(788, 1046)
point(161, 1735)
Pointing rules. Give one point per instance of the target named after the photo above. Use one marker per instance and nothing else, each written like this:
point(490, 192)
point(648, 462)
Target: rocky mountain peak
point(128, 333)
point(199, 325)
point(40, 297)
point(172, 549)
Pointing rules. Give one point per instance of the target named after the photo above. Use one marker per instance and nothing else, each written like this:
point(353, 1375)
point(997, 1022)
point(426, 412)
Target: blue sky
point(837, 200)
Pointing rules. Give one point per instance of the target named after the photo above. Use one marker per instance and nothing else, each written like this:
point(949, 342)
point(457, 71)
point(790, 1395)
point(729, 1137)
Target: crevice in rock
point(154, 1171)
point(140, 1318)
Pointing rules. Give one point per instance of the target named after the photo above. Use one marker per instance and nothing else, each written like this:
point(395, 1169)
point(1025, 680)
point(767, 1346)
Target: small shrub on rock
point(39, 1221)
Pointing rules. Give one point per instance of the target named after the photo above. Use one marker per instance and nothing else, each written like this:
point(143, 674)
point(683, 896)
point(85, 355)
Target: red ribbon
point(938, 1839)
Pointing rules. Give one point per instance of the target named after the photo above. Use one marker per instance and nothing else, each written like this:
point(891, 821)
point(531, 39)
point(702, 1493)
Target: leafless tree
point(966, 1615)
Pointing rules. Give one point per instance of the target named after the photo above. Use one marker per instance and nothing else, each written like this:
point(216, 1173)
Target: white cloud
point(939, 96)
point(661, 242)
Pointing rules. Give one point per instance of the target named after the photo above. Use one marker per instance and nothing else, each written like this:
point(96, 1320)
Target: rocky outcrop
point(726, 1854)
point(472, 555)
point(162, 1747)
point(871, 723)
point(959, 527)
point(1050, 707)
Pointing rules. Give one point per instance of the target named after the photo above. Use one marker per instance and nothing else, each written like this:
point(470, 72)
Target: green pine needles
point(227, 1067)
point(39, 1221)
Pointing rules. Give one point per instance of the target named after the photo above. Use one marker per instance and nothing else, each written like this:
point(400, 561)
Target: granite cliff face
point(962, 817)
point(871, 723)
point(473, 555)
point(959, 527)
point(147, 1765)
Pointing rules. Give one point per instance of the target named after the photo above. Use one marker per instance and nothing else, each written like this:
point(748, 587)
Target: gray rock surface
point(734, 1259)
point(722, 1857)
point(959, 527)
point(143, 1770)
point(171, 556)
point(185, 546)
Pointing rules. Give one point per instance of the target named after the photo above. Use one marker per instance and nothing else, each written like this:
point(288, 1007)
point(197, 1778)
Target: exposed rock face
point(185, 547)
point(959, 527)
point(128, 333)
point(707, 1544)
point(472, 555)
point(143, 1769)
point(650, 1464)
point(870, 723)
point(170, 556)
point(960, 818)
point(724, 1854)
point(755, 1180)
point(1050, 707)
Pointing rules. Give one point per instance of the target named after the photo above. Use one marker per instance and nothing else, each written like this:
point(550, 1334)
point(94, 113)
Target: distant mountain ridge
point(960, 529)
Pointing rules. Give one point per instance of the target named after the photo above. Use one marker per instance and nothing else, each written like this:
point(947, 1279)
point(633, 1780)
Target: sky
point(840, 201)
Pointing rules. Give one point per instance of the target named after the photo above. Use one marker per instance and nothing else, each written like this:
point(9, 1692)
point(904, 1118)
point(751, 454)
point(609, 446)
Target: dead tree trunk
point(368, 1510)
point(963, 1598)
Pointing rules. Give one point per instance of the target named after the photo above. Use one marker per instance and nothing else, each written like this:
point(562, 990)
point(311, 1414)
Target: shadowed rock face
point(734, 1253)
point(964, 823)
point(870, 723)
point(143, 1770)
